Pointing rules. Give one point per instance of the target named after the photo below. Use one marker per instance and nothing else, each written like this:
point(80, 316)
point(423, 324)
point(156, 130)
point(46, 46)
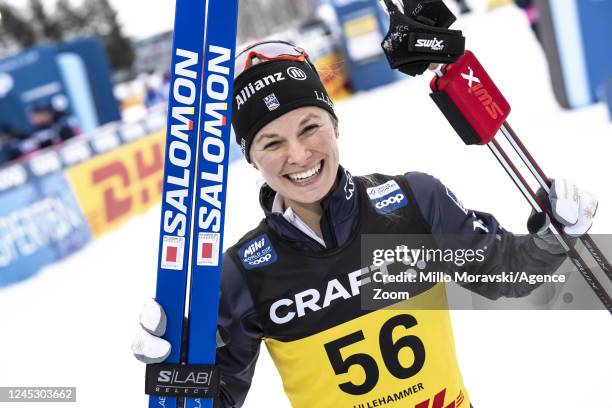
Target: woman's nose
point(298, 153)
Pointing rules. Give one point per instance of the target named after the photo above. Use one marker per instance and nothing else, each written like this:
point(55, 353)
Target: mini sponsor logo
point(208, 248)
point(296, 73)
point(172, 252)
point(257, 253)
point(271, 102)
point(387, 197)
point(455, 200)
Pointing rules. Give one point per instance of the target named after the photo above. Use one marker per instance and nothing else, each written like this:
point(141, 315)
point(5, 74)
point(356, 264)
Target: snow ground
point(72, 325)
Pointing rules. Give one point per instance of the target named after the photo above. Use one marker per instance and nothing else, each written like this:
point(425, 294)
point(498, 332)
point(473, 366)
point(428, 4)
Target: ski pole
point(561, 237)
point(476, 109)
point(545, 183)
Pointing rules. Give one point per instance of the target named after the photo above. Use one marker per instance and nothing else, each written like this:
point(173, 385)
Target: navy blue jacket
point(238, 327)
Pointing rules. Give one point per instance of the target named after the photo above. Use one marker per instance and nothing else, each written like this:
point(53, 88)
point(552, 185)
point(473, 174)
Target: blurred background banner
point(576, 37)
point(95, 86)
point(117, 185)
point(363, 27)
point(30, 79)
point(73, 78)
point(40, 223)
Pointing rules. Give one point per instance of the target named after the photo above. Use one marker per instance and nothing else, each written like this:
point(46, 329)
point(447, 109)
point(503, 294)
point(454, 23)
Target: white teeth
point(306, 174)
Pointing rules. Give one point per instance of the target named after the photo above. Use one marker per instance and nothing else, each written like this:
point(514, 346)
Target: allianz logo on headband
point(253, 87)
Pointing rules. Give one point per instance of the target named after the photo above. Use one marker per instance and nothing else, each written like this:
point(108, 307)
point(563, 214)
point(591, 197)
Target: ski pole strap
point(454, 117)
point(411, 44)
point(436, 47)
point(180, 380)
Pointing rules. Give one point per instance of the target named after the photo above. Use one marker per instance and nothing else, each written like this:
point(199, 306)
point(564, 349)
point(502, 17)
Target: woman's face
point(297, 154)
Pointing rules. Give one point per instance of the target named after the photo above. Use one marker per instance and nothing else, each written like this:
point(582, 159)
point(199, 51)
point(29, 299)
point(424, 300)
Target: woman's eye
point(310, 128)
point(272, 145)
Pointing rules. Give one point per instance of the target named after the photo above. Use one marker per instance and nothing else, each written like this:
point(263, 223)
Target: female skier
point(295, 280)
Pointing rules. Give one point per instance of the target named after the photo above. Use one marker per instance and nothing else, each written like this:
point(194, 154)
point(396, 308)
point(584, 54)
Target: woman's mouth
point(307, 175)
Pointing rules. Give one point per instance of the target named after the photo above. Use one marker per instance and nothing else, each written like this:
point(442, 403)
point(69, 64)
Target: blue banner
point(40, 223)
point(363, 29)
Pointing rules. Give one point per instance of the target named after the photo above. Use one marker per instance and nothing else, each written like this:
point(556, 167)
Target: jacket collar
point(340, 213)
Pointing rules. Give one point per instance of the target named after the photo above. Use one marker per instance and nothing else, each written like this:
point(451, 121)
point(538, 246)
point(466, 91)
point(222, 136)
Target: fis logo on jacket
point(387, 197)
point(257, 252)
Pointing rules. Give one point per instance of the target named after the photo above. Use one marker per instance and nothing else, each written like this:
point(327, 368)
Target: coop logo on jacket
point(387, 197)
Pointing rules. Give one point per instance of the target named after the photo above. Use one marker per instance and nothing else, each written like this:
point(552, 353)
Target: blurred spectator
point(65, 126)
point(165, 87)
point(50, 126)
point(9, 145)
point(42, 121)
point(157, 88)
point(532, 14)
point(463, 6)
point(152, 96)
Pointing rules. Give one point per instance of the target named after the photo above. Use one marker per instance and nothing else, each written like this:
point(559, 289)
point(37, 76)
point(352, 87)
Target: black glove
point(420, 36)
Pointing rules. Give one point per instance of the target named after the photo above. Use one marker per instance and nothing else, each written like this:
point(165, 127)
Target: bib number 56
point(389, 351)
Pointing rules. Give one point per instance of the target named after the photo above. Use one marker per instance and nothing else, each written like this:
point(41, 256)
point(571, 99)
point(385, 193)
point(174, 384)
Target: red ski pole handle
point(469, 100)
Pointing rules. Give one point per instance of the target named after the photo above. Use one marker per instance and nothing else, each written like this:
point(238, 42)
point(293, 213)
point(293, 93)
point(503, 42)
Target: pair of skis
point(477, 110)
point(193, 203)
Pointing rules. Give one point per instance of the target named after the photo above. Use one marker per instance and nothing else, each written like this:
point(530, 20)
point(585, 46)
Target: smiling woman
point(298, 157)
point(297, 282)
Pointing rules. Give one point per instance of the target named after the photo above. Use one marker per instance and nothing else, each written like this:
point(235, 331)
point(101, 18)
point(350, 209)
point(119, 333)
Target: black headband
point(269, 90)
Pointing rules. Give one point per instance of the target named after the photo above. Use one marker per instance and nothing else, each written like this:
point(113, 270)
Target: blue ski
point(198, 132)
point(179, 173)
point(211, 184)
